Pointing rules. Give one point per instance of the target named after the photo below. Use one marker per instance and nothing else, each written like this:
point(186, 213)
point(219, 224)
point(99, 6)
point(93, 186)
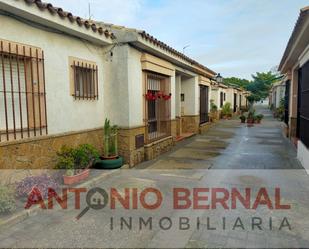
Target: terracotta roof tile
point(162, 45)
point(63, 15)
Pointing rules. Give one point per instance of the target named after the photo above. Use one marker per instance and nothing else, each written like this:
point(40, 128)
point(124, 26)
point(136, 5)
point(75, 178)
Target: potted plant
point(259, 118)
point(243, 119)
point(250, 118)
point(213, 111)
point(226, 111)
point(110, 158)
point(76, 162)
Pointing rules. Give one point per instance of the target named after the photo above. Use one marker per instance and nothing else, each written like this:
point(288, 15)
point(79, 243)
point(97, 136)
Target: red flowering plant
point(167, 97)
point(150, 96)
point(41, 182)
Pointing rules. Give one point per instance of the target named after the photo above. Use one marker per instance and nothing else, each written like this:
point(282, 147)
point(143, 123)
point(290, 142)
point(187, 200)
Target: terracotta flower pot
point(70, 180)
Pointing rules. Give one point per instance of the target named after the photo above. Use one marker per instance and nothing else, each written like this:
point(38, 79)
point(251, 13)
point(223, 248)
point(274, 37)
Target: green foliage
point(72, 159)
point(226, 109)
point(243, 118)
point(251, 114)
point(237, 81)
point(259, 117)
point(213, 107)
point(261, 85)
point(7, 200)
point(110, 139)
point(280, 111)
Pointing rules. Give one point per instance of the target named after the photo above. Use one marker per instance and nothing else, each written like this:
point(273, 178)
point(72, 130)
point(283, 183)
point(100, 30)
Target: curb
point(25, 214)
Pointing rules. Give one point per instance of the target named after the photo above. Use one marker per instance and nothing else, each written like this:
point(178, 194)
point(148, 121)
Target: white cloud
point(233, 37)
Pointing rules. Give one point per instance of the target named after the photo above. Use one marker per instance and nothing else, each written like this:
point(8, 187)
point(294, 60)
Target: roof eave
point(168, 54)
point(23, 10)
point(301, 21)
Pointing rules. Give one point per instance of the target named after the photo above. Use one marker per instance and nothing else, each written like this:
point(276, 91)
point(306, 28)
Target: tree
point(262, 83)
point(236, 81)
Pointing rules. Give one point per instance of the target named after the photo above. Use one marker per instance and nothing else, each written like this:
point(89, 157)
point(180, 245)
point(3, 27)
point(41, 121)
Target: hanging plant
point(160, 95)
point(167, 97)
point(150, 96)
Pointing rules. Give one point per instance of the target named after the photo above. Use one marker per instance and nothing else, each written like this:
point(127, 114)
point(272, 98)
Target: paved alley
point(230, 155)
point(232, 145)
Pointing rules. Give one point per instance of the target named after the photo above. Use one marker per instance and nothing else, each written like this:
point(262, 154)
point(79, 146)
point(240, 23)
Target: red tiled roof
point(63, 14)
point(162, 45)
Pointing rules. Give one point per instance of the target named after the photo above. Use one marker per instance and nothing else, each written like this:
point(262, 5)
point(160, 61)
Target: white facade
point(64, 114)
point(277, 94)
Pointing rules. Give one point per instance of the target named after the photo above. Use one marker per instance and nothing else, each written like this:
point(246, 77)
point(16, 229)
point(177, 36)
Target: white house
point(61, 76)
point(295, 66)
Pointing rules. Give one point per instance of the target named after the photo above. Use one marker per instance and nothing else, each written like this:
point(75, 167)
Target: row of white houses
point(61, 76)
point(295, 68)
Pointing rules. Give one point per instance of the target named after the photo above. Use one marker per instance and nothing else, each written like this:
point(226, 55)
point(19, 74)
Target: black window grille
point(204, 104)
point(303, 118)
point(158, 107)
point(85, 81)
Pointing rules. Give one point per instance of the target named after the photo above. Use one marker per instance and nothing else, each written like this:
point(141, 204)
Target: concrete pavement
point(230, 155)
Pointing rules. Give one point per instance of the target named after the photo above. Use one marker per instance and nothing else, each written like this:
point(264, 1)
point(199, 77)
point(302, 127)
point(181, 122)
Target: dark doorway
point(221, 99)
point(303, 105)
point(235, 102)
point(204, 100)
point(240, 99)
point(287, 102)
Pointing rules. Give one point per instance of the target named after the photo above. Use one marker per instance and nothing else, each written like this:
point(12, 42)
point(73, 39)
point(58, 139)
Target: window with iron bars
point(22, 92)
point(158, 108)
point(84, 80)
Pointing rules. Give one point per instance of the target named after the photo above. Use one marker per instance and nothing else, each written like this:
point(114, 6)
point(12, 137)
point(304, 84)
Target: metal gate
point(303, 115)
point(287, 102)
point(204, 104)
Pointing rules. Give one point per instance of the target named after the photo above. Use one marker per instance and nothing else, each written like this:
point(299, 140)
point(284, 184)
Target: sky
point(232, 37)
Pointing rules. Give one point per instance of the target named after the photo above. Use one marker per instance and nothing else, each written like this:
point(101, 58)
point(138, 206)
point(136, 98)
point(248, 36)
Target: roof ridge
point(64, 14)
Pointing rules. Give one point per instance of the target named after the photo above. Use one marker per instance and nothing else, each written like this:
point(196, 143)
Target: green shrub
point(251, 114)
point(226, 109)
point(213, 107)
point(72, 159)
point(110, 139)
point(259, 117)
point(7, 200)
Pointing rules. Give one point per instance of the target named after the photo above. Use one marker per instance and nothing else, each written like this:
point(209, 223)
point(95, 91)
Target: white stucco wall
point(135, 88)
point(64, 113)
point(190, 87)
point(126, 103)
point(303, 155)
point(215, 96)
point(117, 91)
point(178, 95)
point(230, 96)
